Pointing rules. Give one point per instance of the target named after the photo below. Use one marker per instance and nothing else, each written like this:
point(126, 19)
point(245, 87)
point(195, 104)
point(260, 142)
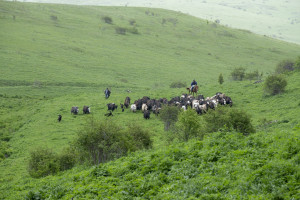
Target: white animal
point(133, 108)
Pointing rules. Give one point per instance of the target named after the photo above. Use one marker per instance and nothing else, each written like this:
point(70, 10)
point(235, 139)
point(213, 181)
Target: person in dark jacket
point(193, 84)
point(107, 93)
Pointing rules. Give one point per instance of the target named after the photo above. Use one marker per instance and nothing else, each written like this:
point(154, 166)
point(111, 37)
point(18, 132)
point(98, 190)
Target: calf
point(147, 114)
point(74, 110)
point(59, 118)
point(86, 110)
point(127, 102)
point(111, 106)
point(133, 108)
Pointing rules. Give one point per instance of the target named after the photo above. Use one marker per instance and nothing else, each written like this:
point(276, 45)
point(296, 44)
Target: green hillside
point(53, 57)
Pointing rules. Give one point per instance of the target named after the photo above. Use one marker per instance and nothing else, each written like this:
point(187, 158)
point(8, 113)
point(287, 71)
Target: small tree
point(297, 63)
point(189, 124)
point(169, 115)
point(107, 20)
point(221, 79)
point(43, 162)
point(284, 66)
point(238, 74)
point(275, 84)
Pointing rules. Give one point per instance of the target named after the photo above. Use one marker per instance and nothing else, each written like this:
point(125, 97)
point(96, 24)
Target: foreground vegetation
point(55, 57)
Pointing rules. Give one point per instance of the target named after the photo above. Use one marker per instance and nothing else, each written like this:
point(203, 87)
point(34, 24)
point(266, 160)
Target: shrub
point(177, 84)
point(253, 75)
point(66, 159)
point(238, 74)
point(275, 84)
point(100, 142)
point(107, 20)
point(221, 79)
point(120, 30)
point(43, 162)
point(297, 63)
point(225, 118)
point(189, 125)
point(141, 137)
point(284, 66)
point(132, 22)
point(169, 115)
point(133, 30)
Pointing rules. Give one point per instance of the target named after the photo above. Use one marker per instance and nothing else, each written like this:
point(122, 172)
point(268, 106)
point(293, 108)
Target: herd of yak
point(147, 105)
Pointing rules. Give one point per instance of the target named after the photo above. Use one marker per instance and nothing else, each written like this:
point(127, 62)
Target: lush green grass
point(49, 65)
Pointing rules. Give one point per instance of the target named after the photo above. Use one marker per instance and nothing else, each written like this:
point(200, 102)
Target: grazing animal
point(59, 118)
point(127, 102)
point(74, 110)
point(147, 114)
point(144, 107)
point(86, 110)
point(121, 105)
point(111, 106)
point(109, 114)
point(133, 108)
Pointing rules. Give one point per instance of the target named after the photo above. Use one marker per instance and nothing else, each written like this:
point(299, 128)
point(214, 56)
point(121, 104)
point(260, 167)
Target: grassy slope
point(49, 65)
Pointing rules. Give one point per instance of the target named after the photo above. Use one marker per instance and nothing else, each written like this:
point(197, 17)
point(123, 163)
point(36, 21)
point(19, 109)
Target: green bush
point(100, 142)
point(43, 162)
point(297, 63)
point(140, 136)
point(253, 75)
point(238, 74)
point(120, 30)
point(275, 84)
point(66, 159)
point(169, 115)
point(177, 84)
point(284, 66)
point(107, 20)
point(189, 125)
point(225, 118)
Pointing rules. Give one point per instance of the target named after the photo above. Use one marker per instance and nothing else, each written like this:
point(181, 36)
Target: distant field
point(275, 18)
point(53, 57)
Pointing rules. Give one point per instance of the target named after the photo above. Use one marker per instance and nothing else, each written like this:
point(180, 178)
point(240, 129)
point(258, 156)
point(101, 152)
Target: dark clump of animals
point(59, 118)
point(74, 110)
point(86, 110)
point(109, 114)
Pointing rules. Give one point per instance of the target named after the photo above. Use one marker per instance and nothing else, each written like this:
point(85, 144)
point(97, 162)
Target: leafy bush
point(100, 142)
point(66, 159)
point(132, 22)
point(189, 125)
point(43, 162)
point(107, 20)
point(253, 75)
point(141, 137)
point(133, 30)
point(120, 30)
point(177, 84)
point(297, 63)
point(275, 84)
point(284, 66)
point(238, 74)
point(169, 115)
point(225, 118)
